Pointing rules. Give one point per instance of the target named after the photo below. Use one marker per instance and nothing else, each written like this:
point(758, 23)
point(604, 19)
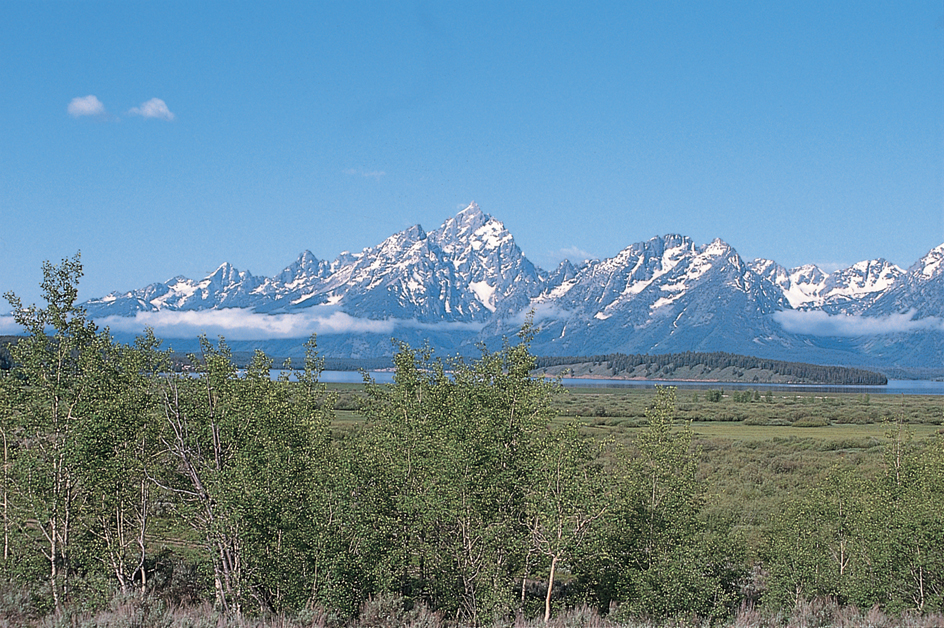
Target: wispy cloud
point(439, 326)
point(154, 108)
point(572, 253)
point(85, 106)
point(373, 174)
point(245, 324)
point(540, 312)
point(823, 324)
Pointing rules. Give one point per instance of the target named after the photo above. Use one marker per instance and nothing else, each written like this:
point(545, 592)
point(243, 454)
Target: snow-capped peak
point(226, 273)
point(454, 231)
point(933, 263)
point(473, 209)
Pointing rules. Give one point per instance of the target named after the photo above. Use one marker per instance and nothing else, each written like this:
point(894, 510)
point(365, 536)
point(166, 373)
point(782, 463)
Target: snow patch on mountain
point(485, 293)
point(932, 264)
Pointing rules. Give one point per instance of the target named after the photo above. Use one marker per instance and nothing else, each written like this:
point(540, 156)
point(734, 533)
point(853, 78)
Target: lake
point(894, 386)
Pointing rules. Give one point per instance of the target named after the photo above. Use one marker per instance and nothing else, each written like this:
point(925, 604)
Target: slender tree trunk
point(53, 560)
point(550, 590)
point(142, 528)
point(6, 514)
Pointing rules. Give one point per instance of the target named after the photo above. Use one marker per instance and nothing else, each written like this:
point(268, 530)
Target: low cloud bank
point(245, 324)
point(823, 324)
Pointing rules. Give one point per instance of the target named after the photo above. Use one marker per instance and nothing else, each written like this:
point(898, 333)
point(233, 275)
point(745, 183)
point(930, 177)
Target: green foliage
point(75, 403)
point(568, 499)
point(455, 444)
point(655, 551)
point(6, 360)
point(243, 453)
point(866, 540)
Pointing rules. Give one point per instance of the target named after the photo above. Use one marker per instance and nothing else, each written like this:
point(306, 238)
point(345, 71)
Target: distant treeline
point(621, 363)
point(617, 363)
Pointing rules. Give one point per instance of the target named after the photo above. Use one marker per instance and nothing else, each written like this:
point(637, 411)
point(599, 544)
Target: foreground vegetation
point(464, 493)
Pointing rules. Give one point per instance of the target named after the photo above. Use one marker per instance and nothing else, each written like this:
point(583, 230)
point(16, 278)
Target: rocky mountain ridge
point(468, 282)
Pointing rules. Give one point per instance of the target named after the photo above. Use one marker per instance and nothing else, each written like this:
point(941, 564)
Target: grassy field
point(607, 409)
point(754, 455)
point(775, 408)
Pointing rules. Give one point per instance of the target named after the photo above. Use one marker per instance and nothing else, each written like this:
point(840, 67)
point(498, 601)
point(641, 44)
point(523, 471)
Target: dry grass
point(391, 612)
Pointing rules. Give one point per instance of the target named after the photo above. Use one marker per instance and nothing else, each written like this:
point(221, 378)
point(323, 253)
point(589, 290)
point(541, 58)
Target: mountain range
point(468, 283)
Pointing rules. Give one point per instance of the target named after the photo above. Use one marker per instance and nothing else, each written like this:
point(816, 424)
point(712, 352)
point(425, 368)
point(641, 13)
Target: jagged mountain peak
point(405, 238)
point(865, 276)
point(471, 212)
point(391, 250)
point(226, 273)
point(874, 266)
point(306, 258)
point(306, 266)
point(767, 267)
point(667, 246)
point(455, 232)
point(931, 264)
point(305, 261)
point(719, 246)
point(809, 271)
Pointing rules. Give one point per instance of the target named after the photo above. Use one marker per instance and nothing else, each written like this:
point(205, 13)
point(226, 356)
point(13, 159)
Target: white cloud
point(451, 326)
point(154, 108)
point(86, 106)
point(823, 324)
point(245, 324)
point(541, 312)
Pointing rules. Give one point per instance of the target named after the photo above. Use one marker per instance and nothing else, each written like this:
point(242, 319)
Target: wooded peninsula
point(716, 366)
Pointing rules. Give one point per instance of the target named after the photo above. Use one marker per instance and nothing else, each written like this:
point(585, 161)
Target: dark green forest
point(458, 494)
point(664, 366)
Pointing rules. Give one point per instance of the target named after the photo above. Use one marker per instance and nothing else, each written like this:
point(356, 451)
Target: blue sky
point(249, 132)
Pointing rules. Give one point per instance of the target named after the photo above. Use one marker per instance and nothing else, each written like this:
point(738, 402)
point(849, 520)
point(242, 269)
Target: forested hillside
point(457, 494)
point(715, 366)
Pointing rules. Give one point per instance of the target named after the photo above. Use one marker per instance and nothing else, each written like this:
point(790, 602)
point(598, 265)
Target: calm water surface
point(894, 387)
